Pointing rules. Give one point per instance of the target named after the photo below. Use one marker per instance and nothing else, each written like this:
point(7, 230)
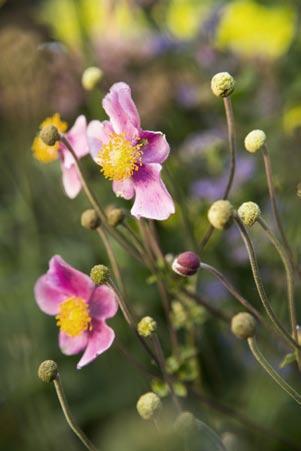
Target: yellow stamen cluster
point(42, 152)
point(73, 317)
point(119, 158)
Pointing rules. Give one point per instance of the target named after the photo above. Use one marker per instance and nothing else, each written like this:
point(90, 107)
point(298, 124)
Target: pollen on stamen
point(73, 317)
point(119, 158)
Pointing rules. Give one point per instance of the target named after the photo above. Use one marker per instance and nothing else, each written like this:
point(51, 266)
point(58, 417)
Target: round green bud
point(48, 371)
point(90, 219)
point(147, 326)
point(100, 274)
point(220, 214)
point(115, 216)
point(299, 189)
point(50, 135)
point(249, 212)
point(148, 405)
point(255, 140)
point(222, 84)
point(185, 424)
point(243, 325)
point(91, 77)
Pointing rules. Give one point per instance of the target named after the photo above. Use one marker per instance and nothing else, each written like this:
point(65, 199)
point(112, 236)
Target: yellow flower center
point(73, 317)
point(42, 152)
point(119, 158)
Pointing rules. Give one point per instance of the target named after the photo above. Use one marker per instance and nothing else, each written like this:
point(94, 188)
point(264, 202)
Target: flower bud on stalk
point(249, 212)
point(50, 135)
point(148, 405)
point(115, 216)
point(220, 214)
point(255, 140)
point(100, 274)
point(91, 77)
point(186, 264)
point(146, 327)
point(243, 325)
point(90, 219)
point(222, 84)
point(185, 424)
point(48, 371)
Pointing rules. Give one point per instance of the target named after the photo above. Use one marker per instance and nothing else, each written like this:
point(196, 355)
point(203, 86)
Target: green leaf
point(288, 359)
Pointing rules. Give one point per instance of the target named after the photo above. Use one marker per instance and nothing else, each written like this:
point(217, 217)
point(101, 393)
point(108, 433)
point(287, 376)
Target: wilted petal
point(157, 148)
point(152, 199)
point(72, 345)
point(124, 188)
point(99, 340)
point(71, 181)
point(103, 303)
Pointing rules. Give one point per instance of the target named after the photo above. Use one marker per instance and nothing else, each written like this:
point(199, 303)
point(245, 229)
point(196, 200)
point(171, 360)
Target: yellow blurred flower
point(251, 29)
point(42, 152)
point(292, 119)
point(184, 17)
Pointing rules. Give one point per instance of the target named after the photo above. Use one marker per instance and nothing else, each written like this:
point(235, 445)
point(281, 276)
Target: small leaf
point(288, 359)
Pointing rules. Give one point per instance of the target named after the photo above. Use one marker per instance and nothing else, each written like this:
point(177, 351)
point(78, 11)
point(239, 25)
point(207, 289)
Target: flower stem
point(270, 370)
point(260, 287)
point(68, 415)
point(213, 310)
point(232, 148)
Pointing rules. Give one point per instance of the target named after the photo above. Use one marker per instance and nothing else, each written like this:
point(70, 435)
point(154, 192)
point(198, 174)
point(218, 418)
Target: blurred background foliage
point(167, 51)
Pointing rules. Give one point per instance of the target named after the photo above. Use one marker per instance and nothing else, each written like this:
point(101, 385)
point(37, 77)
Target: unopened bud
point(186, 264)
point(147, 326)
point(115, 216)
point(49, 135)
point(220, 214)
point(91, 77)
point(148, 405)
point(222, 84)
point(48, 371)
point(185, 424)
point(90, 219)
point(255, 140)
point(100, 274)
point(243, 325)
point(249, 212)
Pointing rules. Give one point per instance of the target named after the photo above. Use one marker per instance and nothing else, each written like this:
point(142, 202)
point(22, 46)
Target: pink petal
point(77, 136)
point(71, 181)
point(72, 345)
point(152, 199)
point(103, 303)
point(68, 279)
point(98, 134)
point(124, 188)
point(119, 106)
point(157, 148)
point(99, 340)
point(48, 296)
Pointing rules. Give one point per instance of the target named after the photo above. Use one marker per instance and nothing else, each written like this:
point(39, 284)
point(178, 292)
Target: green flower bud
point(255, 140)
point(220, 214)
point(100, 274)
point(48, 371)
point(146, 327)
point(222, 84)
point(115, 216)
point(249, 212)
point(185, 424)
point(90, 219)
point(91, 77)
point(148, 405)
point(243, 325)
point(50, 135)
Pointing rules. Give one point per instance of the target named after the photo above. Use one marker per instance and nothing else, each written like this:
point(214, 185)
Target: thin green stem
point(270, 370)
point(68, 415)
point(260, 287)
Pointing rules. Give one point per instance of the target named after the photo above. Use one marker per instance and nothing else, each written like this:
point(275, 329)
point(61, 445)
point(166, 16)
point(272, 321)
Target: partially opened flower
point(77, 136)
point(80, 308)
point(131, 157)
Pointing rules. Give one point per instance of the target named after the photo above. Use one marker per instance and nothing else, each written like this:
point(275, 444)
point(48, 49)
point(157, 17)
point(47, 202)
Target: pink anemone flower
point(80, 309)
point(131, 157)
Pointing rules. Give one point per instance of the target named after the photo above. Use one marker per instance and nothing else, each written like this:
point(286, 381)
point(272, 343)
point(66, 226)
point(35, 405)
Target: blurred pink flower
point(131, 157)
point(80, 308)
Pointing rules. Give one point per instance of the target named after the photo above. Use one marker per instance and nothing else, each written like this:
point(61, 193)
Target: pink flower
point(80, 308)
point(131, 157)
point(77, 136)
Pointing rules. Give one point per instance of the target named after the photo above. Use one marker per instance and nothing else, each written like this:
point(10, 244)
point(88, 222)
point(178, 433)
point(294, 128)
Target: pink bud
point(186, 264)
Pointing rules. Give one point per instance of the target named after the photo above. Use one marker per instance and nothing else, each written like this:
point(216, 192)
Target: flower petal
point(98, 134)
point(122, 111)
point(72, 345)
point(71, 181)
point(152, 199)
point(77, 136)
point(157, 148)
point(68, 279)
point(103, 303)
point(124, 188)
point(48, 296)
point(99, 340)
